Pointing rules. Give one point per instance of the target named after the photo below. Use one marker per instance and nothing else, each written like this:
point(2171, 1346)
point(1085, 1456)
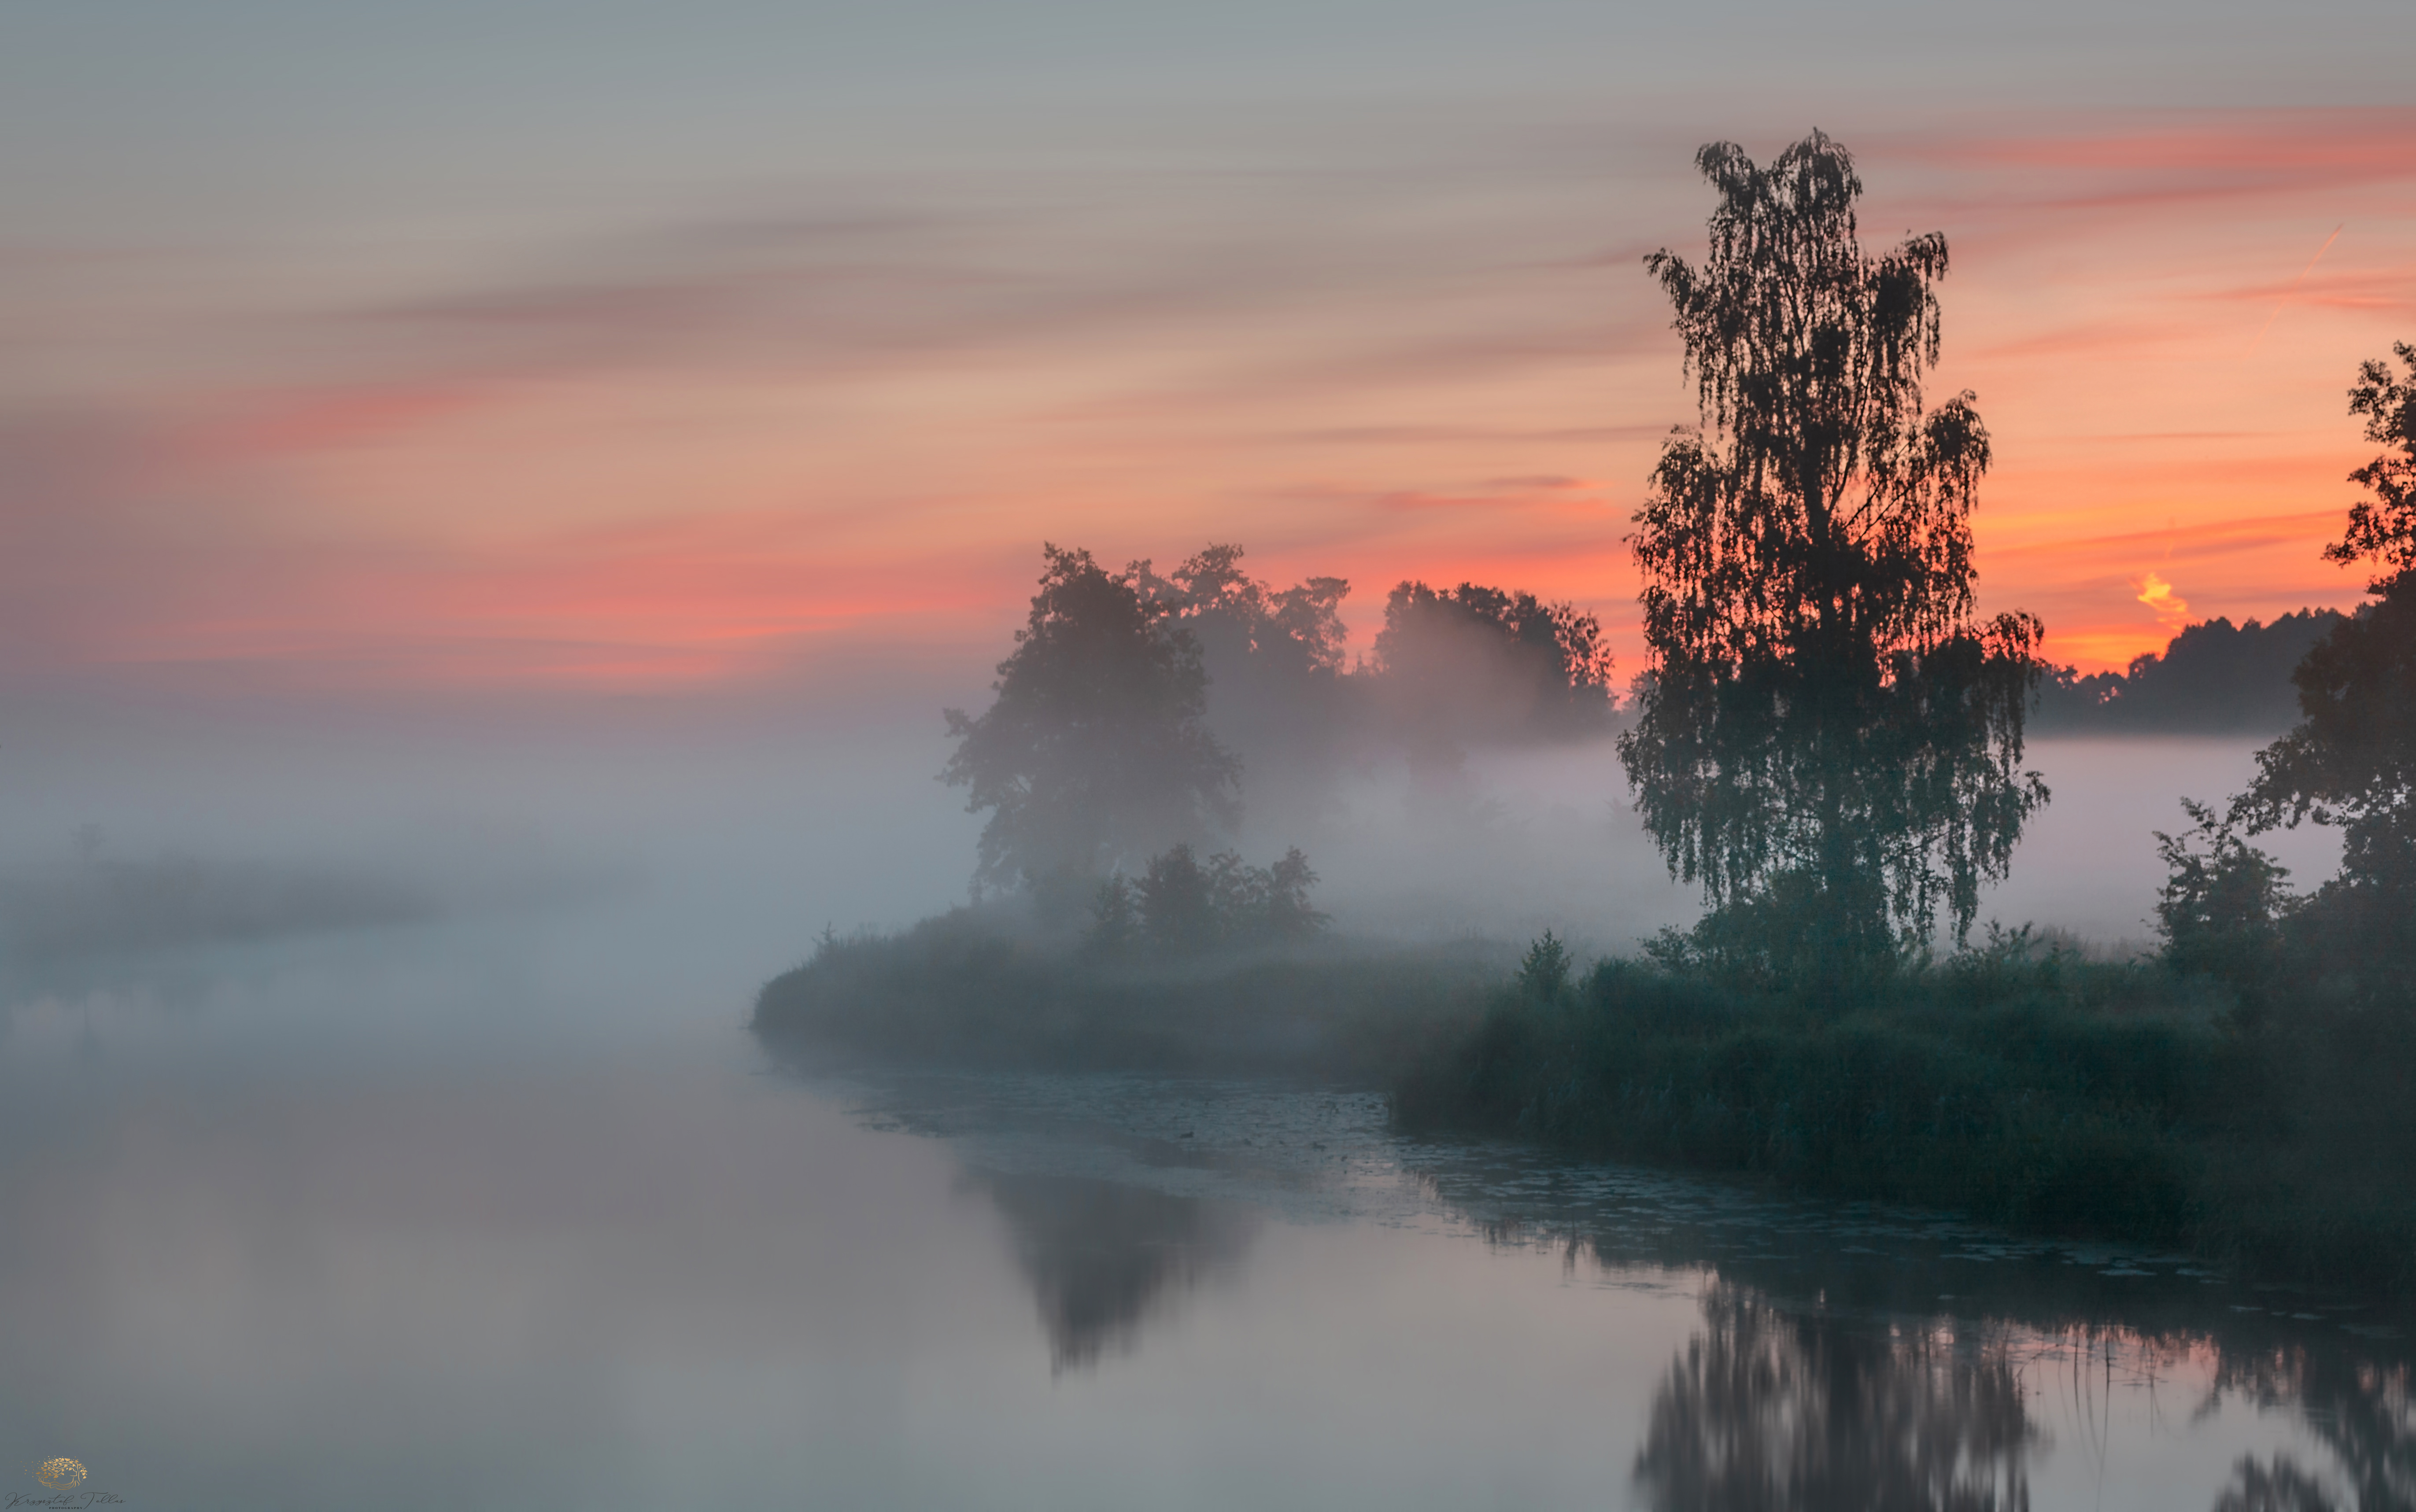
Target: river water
point(513, 1213)
point(477, 1193)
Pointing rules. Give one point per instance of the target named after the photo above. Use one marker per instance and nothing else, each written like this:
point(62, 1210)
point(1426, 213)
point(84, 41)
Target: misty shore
point(2017, 1084)
point(959, 988)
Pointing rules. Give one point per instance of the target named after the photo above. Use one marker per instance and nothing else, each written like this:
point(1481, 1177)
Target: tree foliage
point(2223, 901)
point(1276, 696)
point(2383, 528)
point(1181, 906)
point(2213, 676)
point(1299, 628)
point(1823, 701)
point(1472, 660)
point(1094, 752)
point(2351, 759)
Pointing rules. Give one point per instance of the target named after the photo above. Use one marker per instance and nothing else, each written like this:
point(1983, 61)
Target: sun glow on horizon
point(685, 467)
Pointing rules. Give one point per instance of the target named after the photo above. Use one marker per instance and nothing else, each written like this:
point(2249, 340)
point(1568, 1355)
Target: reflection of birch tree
point(2363, 1411)
point(1826, 718)
point(1770, 1409)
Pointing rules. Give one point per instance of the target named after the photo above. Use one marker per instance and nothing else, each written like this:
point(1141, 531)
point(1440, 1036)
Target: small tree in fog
point(1178, 903)
point(1822, 708)
point(1094, 752)
point(2221, 907)
point(1283, 906)
point(1544, 973)
point(1181, 906)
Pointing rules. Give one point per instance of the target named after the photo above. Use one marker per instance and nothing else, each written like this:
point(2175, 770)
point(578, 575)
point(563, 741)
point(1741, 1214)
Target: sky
point(537, 351)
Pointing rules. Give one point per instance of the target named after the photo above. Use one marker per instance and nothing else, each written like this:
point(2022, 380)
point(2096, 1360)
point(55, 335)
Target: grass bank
point(2039, 1090)
point(2032, 1088)
point(961, 988)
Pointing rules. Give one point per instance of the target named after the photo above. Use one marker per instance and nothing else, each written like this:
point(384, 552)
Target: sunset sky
point(511, 346)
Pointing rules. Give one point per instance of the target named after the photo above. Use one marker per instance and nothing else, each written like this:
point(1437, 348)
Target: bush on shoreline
point(2019, 1084)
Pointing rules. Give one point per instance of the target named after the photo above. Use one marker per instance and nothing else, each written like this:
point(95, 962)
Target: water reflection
point(1772, 1409)
point(2360, 1411)
point(1101, 1257)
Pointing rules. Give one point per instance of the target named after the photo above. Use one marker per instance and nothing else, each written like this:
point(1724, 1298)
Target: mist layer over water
point(488, 1201)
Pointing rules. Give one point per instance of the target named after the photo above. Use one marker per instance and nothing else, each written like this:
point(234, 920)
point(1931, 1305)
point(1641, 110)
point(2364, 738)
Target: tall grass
point(964, 988)
point(2026, 1087)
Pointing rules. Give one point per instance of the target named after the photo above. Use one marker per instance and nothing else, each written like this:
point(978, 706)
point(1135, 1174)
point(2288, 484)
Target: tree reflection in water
point(2361, 1411)
point(1770, 1408)
point(1101, 1256)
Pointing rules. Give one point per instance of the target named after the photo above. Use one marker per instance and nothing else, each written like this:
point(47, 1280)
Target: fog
point(724, 837)
point(380, 1126)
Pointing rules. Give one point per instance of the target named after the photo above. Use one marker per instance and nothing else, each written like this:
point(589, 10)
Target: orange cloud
point(2169, 608)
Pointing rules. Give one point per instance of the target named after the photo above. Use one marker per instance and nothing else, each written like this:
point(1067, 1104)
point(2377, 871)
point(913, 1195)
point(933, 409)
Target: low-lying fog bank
point(734, 842)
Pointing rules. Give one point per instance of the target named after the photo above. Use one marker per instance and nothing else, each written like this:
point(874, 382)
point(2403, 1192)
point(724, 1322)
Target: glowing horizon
point(613, 447)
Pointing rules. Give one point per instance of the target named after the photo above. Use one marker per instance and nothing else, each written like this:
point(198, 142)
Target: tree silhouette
point(2221, 906)
point(1473, 662)
point(1093, 753)
point(2351, 759)
point(1277, 695)
point(1824, 718)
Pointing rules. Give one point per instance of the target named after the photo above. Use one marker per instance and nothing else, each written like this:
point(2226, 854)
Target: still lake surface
point(503, 1208)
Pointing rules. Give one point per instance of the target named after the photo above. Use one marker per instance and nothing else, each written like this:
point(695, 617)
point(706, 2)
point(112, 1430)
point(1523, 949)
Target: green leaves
point(1822, 705)
point(2384, 527)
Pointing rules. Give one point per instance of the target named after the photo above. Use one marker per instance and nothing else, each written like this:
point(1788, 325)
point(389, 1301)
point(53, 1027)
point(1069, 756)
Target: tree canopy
point(1823, 704)
point(2383, 527)
point(1472, 660)
point(1094, 753)
point(1133, 700)
point(1274, 662)
point(2351, 759)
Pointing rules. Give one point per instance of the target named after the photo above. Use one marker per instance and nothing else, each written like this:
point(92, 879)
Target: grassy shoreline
point(2054, 1095)
point(957, 988)
point(2029, 1088)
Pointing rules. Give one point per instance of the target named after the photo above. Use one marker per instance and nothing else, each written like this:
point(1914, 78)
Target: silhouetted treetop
point(1274, 660)
point(1816, 489)
point(1473, 662)
point(2384, 527)
point(1094, 752)
point(1301, 626)
point(1821, 702)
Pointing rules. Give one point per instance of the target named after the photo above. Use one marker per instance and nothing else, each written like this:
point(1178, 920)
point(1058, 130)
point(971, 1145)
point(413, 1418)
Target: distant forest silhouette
point(2214, 678)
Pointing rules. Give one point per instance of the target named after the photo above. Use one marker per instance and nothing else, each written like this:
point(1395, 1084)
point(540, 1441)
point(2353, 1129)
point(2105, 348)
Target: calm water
point(501, 1208)
point(361, 1222)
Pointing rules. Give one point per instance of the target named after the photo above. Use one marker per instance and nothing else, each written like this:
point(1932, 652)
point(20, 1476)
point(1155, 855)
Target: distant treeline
point(2215, 678)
